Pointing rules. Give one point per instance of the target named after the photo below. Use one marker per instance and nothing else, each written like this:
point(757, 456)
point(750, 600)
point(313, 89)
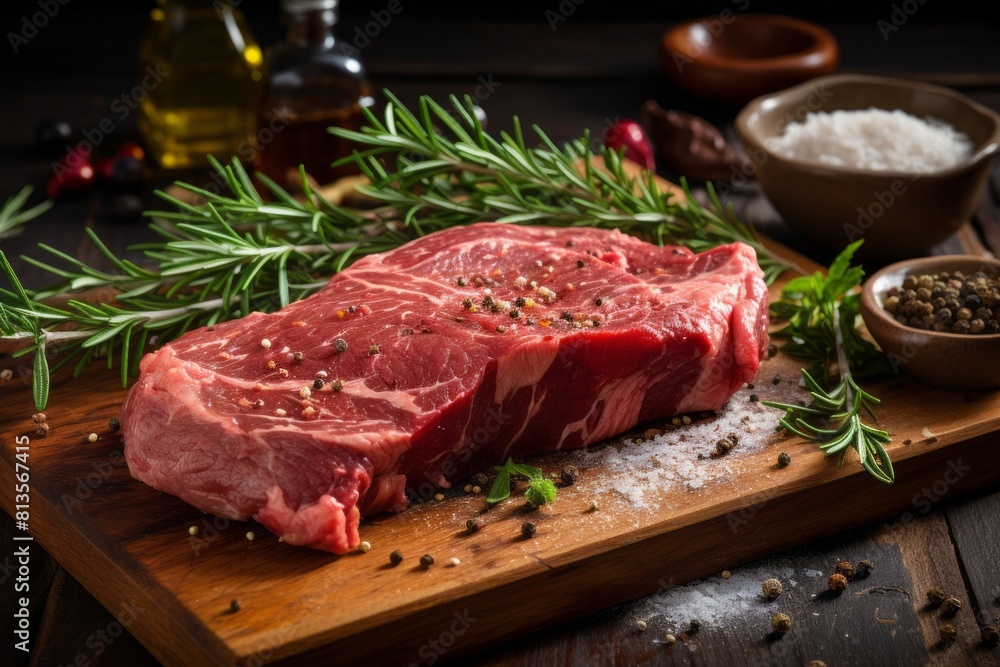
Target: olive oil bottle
point(211, 68)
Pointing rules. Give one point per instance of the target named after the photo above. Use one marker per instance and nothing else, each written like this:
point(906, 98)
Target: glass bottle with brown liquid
point(210, 69)
point(311, 83)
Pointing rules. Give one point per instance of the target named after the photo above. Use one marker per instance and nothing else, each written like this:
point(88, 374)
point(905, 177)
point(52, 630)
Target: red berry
point(129, 149)
point(629, 135)
point(67, 178)
point(105, 168)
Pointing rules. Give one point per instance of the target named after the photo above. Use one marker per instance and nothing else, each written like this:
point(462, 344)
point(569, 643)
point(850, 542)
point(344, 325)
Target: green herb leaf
point(500, 490)
point(540, 491)
point(821, 314)
point(40, 378)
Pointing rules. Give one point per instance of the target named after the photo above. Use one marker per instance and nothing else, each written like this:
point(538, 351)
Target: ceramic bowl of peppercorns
point(938, 319)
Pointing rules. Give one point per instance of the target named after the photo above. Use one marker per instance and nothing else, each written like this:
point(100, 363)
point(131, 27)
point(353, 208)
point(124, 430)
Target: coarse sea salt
point(644, 472)
point(876, 139)
point(713, 600)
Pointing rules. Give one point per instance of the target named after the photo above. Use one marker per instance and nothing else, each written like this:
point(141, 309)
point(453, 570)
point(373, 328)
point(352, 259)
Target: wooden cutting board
point(129, 545)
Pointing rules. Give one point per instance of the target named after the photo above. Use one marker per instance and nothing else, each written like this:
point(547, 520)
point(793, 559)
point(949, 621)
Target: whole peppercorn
point(38, 417)
point(943, 315)
point(892, 304)
point(694, 627)
point(480, 479)
point(845, 568)
point(472, 526)
point(528, 529)
point(669, 641)
point(951, 606)
point(771, 588)
point(923, 294)
point(936, 596)
point(976, 326)
point(781, 623)
point(948, 633)
point(41, 429)
point(318, 384)
point(396, 557)
point(961, 327)
point(990, 635)
point(340, 345)
point(772, 350)
point(114, 424)
point(784, 459)
point(427, 560)
point(569, 474)
point(722, 448)
point(837, 582)
point(863, 569)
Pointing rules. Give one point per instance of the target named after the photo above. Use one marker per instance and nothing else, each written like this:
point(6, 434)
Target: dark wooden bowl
point(735, 57)
point(948, 360)
point(899, 214)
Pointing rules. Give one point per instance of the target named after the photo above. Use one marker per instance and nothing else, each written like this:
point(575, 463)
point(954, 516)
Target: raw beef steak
point(415, 367)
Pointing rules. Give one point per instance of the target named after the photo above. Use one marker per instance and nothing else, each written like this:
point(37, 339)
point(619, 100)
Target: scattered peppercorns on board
point(569, 474)
point(951, 606)
point(947, 302)
point(772, 588)
point(837, 583)
point(936, 596)
point(845, 568)
point(781, 623)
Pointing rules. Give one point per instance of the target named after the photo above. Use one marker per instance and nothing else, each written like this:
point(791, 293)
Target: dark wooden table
point(582, 75)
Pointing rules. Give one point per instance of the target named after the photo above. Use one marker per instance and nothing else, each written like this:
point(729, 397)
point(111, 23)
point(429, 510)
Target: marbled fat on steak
point(463, 348)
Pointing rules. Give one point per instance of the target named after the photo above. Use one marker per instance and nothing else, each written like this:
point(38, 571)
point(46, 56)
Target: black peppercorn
point(519, 302)
point(948, 633)
point(936, 596)
point(579, 263)
point(569, 474)
point(951, 606)
point(528, 529)
point(114, 424)
point(234, 606)
point(396, 557)
point(863, 568)
point(427, 560)
point(340, 345)
point(318, 383)
point(472, 526)
point(990, 635)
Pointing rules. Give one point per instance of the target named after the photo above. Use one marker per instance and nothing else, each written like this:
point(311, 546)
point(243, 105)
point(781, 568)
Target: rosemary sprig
point(540, 489)
point(11, 215)
point(821, 314)
point(437, 169)
point(238, 252)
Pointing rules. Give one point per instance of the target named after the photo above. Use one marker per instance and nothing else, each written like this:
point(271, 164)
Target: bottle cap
point(299, 6)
